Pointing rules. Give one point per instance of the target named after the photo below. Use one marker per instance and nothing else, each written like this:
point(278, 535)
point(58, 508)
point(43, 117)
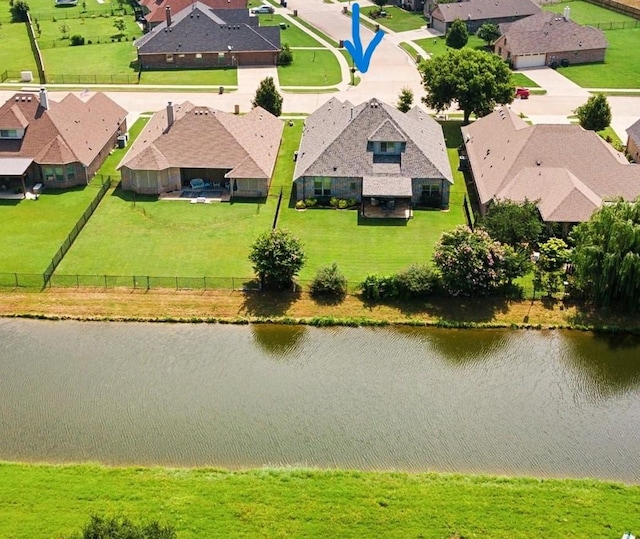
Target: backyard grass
point(311, 68)
point(397, 19)
point(175, 238)
point(40, 501)
point(96, 29)
point(587, 13)
point(382, 246)
point(292, 35)
point(15, 52)
point(104, 62)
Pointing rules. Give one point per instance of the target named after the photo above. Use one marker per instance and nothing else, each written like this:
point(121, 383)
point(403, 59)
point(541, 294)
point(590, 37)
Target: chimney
point(44, 99)
point(170, 117)
point(167, 11)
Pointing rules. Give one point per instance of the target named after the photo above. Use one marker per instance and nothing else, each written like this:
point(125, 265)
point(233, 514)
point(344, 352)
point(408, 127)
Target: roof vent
point(538, 163)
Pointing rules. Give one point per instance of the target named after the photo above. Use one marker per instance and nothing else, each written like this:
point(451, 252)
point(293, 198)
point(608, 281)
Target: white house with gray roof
point(376, 154)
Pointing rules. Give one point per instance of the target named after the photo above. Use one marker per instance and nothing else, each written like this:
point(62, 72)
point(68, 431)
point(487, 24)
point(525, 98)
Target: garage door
point(530, 60)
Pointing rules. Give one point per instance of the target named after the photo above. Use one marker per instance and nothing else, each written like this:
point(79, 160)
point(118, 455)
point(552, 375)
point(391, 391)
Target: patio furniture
point(197, 183)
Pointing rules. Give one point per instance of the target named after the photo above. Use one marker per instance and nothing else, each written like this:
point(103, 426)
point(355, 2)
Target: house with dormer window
point(387, 160)
point(57, 144)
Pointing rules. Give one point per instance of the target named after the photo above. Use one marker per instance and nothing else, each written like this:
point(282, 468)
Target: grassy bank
point(40, 501)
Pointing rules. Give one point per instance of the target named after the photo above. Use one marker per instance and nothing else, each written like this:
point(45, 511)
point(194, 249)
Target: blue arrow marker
point(361, 58)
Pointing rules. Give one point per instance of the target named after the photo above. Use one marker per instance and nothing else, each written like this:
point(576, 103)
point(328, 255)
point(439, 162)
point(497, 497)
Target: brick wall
point(207, 60)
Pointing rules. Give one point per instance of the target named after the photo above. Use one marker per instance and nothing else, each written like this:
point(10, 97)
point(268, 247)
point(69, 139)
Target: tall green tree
point(380, 4)
point(477, 80)
point(488, 32)
point(472, 263)
point(123, 528)
point(515, 223)
point(277, 257)
point(549, 270)
point(405, 100)
point(595, 114)
point(607, 255)
point(19, 10)
point(458, 34)
point(268, 97)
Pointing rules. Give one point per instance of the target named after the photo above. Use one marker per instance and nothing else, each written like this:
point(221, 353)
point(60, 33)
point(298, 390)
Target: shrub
point(342, 204)
point(352, 202)
point(300, 205)
point(311, 202)
point(277, 256)
point(330, 283)
point(417, 282)
point(333, 202)
point(77, 40)
point(285, 57)
point(377, 287)
point(19, 10)
point(89, 42)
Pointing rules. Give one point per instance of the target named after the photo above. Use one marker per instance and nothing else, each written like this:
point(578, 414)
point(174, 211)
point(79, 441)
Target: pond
point(542, 403)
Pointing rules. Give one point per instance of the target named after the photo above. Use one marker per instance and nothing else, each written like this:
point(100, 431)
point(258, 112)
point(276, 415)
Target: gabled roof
point(387, 132)
point(334, 142)
point(570, 171)
point(12, 118)
point(157, 8)
point(69, 131)
point(634, 132)
point(200, 29)
point(474, 10)
point(201, 137)
point(548, 33)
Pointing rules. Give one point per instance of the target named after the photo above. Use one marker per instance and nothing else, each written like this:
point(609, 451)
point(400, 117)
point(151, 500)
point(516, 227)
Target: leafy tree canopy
point(19, 10)
point(268, 97)
point(123, 528)
point(472, 263)
point(549, 269)
point(477, 80)
point(277, 257)
point(514, 223)
point(458, 34)
point(607, 255)
point(595, 114)
point(405, 100)
point(488, 32)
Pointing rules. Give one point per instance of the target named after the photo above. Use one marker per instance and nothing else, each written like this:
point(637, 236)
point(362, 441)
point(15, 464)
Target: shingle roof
point(548, 33)
point(201, 137)
point(634, 132)
point(383, 186)
point(157, 8)
point(334, 142)
point(569, 170)
point(71, 130)
point(473, 10)
point(200, 29)
point(12, 118)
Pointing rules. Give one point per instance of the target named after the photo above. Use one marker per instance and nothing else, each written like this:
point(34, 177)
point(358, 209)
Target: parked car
point(522, 93)
point(262, 10)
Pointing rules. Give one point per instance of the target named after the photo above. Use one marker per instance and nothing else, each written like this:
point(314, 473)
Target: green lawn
point(397, 19)
point(292, 35)
point(15, 51)
point(175, 238)
point(587, 13)
point(40, 502)
point(311, 68)
point(436, 46)
point(621, 68)
point(33, 230)
point(384, 246)
point(105, 62)
point(96, 29)
point(522, 80)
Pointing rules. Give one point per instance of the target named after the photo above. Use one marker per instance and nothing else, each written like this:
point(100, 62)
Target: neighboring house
point(477, 12)
point(633, 141)
point(57, 144)
point(198, 36)
point(234, 155)
point(409, 5)
point(549, 39)
point(570, 172)
point(376, 154)
point(155, 10)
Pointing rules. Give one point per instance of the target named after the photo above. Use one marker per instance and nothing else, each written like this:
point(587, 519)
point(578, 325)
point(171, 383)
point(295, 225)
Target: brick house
point(549, 39)
point(199, 37)
point(234, 155)
point(633, 141)
point(57, 144)
point(155, 10)
point(375, 154)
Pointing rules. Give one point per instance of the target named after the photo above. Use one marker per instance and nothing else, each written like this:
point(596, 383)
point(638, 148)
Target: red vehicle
point(522, 93)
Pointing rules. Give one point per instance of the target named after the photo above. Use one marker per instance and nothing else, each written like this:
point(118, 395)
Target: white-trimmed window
point(322, 187)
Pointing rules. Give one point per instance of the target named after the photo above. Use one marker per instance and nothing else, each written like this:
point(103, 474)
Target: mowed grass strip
point(382, 246)
point(311, 68)
point(175, 238)
point(15, 51)
point(397, 19)
point(435, 46)
point(40, 501)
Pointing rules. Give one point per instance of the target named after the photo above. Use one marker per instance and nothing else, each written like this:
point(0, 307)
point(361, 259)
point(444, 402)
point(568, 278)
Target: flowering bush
point(471, 263)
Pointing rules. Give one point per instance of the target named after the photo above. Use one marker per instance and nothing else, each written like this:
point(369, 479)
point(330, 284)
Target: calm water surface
point(515, 402)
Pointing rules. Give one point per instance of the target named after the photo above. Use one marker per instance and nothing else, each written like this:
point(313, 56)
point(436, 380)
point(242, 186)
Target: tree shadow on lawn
point(372, 221)
point(269, 303)
point(610, 319)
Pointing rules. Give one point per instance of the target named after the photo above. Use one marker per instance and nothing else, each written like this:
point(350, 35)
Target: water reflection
point(278, 340)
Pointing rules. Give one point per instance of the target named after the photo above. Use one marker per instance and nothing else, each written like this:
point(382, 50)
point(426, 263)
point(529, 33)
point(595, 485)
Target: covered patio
point(386, 197)
point(13, 172)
